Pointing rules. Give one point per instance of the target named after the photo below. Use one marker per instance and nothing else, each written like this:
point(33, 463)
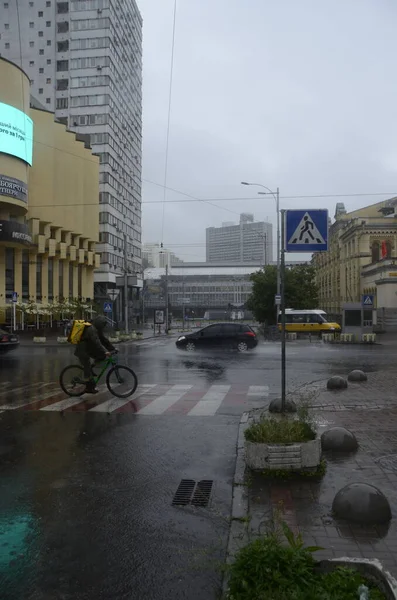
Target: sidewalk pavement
point(52, 340)
point(369, 410)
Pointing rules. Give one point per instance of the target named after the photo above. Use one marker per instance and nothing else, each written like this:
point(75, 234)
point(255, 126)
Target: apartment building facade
point(84, 59)
point(247, 242)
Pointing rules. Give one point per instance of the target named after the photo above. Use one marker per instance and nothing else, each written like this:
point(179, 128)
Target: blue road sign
point(14, 296)
point(107, 307)
point(367, 300)
point(306, 230)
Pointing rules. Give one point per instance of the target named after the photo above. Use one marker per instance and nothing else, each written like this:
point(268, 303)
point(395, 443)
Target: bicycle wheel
point(121, 381)
point(72, 381)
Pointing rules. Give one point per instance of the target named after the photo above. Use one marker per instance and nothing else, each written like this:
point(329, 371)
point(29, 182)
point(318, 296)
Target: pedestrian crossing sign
point(306, 230)
point(368, 300)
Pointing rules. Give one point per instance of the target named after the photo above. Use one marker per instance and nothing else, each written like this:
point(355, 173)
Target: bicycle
point(77, 385)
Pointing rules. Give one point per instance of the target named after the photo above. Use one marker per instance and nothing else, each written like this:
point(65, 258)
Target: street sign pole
point(282, 292)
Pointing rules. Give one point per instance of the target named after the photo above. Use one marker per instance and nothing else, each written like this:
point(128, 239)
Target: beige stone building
point(362, 244)
point(49, 203)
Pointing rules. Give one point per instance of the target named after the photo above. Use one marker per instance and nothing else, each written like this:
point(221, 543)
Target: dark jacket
point(93, 342)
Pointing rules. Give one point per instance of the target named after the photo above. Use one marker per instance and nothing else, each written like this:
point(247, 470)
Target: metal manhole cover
point(388, 462)
point(189, 492)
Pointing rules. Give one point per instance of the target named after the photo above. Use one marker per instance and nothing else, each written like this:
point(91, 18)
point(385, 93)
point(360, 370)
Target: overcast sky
point(300, 95)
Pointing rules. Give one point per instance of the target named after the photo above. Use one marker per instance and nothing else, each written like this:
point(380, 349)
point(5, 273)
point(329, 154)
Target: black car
point(8, 341)
point(224, 335)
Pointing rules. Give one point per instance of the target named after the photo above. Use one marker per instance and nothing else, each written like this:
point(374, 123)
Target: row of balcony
point(65, 251)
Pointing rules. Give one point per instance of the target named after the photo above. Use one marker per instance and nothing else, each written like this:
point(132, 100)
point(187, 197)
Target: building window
point(71, 291)
point(31, 44)
point(31, 4)
point(10, 270)
point(62, 102)
point(48, 100)
point(60, 280)
point(48, 24)
point(62, 84)
point(48, 80)
point(31, 63)
point(48, 42)
point(63, 46)
point(50, 279)
point(48, 61)
point(31, 25)
point(25, 275)
point(40, 90)
point(40, 13)
point(41, 51)
point(375, 252)
point(5, 4)
point(63, 27)
point(62, 65)
point(62, 7)
point(41, 70)
point(41, 34)
point(63, 120)
point(6, 25)
point(39, 269)
point(48, 4)
point(7, 45)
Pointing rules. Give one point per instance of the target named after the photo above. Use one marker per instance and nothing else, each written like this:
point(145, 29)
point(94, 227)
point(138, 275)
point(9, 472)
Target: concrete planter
point(370, 568)
point(39, 340)
point(286, 457)
point(114, 340)
point(62, 340)
point(139, 336)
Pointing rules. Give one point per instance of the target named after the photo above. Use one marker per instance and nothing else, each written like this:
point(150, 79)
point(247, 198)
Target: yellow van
point(308, 321)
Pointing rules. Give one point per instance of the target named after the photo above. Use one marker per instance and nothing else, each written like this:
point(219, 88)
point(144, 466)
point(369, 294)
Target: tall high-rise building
point(247, 242)
point(84, 59)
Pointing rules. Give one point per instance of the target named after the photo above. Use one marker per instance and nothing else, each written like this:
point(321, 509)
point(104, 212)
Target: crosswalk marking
point(162, 403)
point(149, 399)
point(116, 403)
point(210, 402)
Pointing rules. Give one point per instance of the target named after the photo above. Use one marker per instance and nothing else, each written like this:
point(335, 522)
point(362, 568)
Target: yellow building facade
point(357, 240)
point(49, 209)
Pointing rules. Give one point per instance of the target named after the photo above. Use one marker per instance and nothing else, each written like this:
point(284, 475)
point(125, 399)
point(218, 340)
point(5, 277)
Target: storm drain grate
point(202, 493)
point(184, 492)
point(190, 493)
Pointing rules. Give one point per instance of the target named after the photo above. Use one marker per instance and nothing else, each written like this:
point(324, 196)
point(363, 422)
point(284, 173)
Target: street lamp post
point(276, 196)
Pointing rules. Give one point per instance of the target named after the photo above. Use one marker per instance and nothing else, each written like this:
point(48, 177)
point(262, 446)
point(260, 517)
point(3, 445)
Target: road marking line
point(162, 403)
point(116, 403)
point(26, 388)
point(210, 402)
point(69, 402)
point(258, 390)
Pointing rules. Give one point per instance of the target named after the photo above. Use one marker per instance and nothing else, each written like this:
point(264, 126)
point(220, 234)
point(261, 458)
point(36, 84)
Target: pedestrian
point(93, 345)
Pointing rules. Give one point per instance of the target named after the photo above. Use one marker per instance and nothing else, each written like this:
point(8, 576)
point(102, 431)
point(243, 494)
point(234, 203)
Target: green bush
point(279, 431)
point(268, 569)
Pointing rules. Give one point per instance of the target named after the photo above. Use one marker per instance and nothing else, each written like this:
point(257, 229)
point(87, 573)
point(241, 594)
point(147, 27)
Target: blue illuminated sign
point(16, 133)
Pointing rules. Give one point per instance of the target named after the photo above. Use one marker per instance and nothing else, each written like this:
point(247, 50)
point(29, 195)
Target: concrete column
point(55, 283)
point(18, 272)
point(75, 280)
point(44, 280)
point(2, 283)
point(32, 275)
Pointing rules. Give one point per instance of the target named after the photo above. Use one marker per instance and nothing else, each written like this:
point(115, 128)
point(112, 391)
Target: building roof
point(198, 269)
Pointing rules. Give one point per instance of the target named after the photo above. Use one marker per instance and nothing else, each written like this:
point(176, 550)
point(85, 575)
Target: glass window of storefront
point(39, 268)
point(25, 275)
point(10, 271)
point(60, 279)
point(50, 279)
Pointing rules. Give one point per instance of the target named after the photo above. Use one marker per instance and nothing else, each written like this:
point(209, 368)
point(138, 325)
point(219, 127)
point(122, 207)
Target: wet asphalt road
point(85, 504)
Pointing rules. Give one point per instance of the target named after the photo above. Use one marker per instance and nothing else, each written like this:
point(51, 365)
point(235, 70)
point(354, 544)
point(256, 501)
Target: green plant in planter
point(270, 569)
point(279, 431)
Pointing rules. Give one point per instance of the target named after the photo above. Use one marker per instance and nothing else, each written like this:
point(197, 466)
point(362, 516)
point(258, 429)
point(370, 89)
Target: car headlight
point(183, 337)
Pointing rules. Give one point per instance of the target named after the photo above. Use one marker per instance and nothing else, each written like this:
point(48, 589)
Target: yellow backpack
point(77, 331)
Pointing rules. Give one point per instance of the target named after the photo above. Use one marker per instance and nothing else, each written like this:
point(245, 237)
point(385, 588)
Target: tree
point(300, 291)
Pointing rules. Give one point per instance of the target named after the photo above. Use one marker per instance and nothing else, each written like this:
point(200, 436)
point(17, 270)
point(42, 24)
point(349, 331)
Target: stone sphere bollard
point(275, 406)
point(337, 383)
point(357, 375)
point(339, 439)
point(362, 503)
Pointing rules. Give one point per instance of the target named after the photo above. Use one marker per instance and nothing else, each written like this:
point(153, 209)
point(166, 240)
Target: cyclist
point(93, 344)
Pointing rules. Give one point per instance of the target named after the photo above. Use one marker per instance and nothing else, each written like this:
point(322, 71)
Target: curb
point(238, 533)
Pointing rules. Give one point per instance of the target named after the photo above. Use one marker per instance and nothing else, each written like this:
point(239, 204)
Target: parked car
point(220, 335)
point(8, 341)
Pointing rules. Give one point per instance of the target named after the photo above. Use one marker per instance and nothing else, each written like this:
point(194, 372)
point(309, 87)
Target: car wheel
point(190, 346)
point(242, 346)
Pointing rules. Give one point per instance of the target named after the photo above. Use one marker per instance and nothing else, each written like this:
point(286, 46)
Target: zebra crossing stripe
point(210, 402)
point(69, 402)
point(115, 403)
point(162, 403)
